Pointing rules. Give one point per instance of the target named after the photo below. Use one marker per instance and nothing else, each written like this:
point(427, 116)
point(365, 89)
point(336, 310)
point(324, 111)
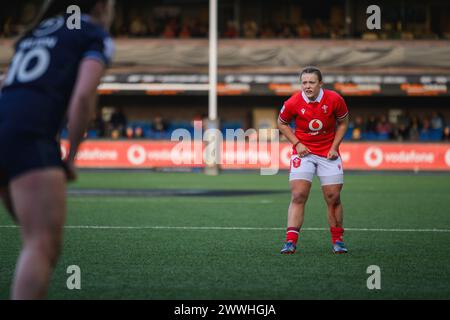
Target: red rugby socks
point(336, 234)
point(292, 235)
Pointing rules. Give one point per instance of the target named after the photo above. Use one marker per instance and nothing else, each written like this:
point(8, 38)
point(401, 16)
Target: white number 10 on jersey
point(20, 66)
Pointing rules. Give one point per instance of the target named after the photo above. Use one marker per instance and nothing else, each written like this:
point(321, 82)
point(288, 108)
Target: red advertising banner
point(392, 156)
point(355, 156)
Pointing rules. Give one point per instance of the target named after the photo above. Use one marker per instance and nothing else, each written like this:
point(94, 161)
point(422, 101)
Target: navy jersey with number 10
point(43, 72)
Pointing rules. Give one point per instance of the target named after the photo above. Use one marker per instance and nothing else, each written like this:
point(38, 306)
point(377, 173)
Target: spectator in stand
point(358, 128)
point(98, 124)
point(383, 128)
point(129, 133)
point(320, 30)
point(337, 32)
point(137, 26)
point(152, 28)
point(387, 31)
point(118, 122)
point(231, 30)
point(303, 30)
point(250, 29)
point(185, 31)
point(446, 134)
point(414, 130)
point(424, 133)
point(199, 30)
point(267, 32)
point(437, 121)
point(401, 132)
point(404, 119)
point(115, 134)
point(285, 32)
point(169, 32)
point(139, 133)
point(371, 125)
point(159, 124)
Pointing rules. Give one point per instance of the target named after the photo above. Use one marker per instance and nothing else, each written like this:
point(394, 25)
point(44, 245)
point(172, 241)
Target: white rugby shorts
point(328, 171)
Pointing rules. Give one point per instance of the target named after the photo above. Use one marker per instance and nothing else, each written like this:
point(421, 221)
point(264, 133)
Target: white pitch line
point(237, 228)
point(159, 199)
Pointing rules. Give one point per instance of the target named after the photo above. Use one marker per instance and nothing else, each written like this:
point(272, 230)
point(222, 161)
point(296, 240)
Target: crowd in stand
point(371, 128)
point(406, 128)
point(137, 22)
point(138, 26)
point(304, 30)
point(117, 126)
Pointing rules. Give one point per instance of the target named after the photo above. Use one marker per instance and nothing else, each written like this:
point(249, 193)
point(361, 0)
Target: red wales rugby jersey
point(315, 122)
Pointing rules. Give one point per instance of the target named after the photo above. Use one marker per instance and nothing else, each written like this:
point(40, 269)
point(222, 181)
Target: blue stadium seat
point(138, 123)
point(363, 135)
point(435, 134)
point(348, 134)
point(92, 134)
point(370, 136)
point(158, 135)
point(424, 136)
point(383, 136)
point(147, 131)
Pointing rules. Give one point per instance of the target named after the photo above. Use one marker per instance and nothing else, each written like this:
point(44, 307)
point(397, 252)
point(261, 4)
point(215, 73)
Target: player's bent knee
point(299, 197)
point(333, 198)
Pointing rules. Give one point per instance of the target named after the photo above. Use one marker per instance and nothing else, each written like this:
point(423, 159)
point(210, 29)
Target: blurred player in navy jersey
point(54, 73)
point(321, 118)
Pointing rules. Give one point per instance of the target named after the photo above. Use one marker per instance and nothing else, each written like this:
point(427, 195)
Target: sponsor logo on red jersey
point(315, 125)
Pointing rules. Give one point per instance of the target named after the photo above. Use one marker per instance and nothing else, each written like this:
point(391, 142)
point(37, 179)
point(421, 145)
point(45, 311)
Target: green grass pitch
point(228, 247)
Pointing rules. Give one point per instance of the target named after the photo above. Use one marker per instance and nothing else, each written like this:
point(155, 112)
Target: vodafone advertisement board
point(168, 154)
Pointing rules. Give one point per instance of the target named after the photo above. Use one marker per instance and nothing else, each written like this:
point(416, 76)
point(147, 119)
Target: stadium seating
point(436, 134)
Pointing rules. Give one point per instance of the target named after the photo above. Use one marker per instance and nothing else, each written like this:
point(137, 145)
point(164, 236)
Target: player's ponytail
point(43, 12)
